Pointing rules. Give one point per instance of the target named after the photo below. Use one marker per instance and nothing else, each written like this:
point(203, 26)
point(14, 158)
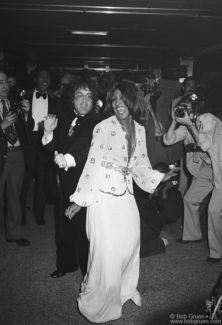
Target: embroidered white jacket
point(109, 146)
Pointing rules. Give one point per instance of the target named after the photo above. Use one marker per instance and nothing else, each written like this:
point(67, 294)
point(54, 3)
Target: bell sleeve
point(87, 189)
point(143, 174)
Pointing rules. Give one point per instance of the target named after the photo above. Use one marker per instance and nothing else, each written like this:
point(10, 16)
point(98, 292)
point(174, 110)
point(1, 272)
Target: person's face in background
point(4, 87)
point(95, 79)
point(64, 82)
point(118, 105)
point(43, 81)
point(83, 101)
point(11, 82)
point(64, 85)
point(189, 88)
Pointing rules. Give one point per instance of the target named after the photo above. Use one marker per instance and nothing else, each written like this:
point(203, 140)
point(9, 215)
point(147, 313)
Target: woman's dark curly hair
point(83, 83)
point(199, 107)
point(132, 98)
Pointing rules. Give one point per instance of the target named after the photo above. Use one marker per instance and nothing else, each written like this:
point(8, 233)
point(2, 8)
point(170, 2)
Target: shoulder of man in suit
point(51, 95)
point(93, 115)
point(29, 93)
point(12, 99)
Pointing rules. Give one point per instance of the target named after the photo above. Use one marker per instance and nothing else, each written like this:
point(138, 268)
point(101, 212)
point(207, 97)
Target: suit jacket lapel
point(76, 130)
point(66, 124)
point(51, 104)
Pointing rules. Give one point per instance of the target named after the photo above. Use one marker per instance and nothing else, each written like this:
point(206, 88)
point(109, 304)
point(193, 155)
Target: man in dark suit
point(42, 103)
point(71, 142)
point(14, 145)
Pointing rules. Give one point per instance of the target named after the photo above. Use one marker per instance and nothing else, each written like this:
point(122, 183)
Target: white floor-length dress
point(113, 223)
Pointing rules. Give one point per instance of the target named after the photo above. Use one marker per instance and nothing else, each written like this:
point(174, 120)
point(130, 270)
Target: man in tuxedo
point(70, 138)
point(14, 145)
point(42, 103)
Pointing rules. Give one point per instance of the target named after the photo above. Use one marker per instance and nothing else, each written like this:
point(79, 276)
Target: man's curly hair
point(83, 83)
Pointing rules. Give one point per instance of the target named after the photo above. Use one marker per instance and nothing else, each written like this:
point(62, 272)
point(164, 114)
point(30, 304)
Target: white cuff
point(47, 138)
point(70, 161)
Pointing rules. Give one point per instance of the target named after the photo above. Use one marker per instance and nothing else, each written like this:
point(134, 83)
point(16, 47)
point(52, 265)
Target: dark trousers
point(11, 184)
point(71, 239)
point(40, 171)
point(72, 243)
point(39, 164)
point(150, 244)
point(151, 224)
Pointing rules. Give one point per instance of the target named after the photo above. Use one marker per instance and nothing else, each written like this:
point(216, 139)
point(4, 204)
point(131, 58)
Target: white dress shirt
point(39, 111)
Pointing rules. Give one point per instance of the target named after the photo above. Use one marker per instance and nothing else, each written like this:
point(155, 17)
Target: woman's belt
point(109, 165)
point(158, 137)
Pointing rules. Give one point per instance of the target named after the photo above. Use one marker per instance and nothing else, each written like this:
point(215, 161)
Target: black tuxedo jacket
point(36, 136)
point(22, 129)
point(77, 145)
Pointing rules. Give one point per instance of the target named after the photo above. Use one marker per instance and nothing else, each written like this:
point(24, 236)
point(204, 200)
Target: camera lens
point(179, 112)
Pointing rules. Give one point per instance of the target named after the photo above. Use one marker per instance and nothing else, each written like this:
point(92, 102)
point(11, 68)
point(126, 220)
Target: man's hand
point(50, 123)
point(148, 104)
point(72, 210)
point(60, 160)
point(184, 120)
point(170, 174)
point(147, 98)
point(25, 105)
point(202, 138)
point(8, 120)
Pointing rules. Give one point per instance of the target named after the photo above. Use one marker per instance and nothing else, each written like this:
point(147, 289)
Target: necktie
point(38, 95)
point(76, 121)
point(10, 133)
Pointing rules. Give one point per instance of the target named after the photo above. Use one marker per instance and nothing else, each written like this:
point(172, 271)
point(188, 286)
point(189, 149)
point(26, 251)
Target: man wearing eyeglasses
point(69, 137)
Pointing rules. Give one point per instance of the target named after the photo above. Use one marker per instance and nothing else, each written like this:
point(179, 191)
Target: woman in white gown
point(118, 155)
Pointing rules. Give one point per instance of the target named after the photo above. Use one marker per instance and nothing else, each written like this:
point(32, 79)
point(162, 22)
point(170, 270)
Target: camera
point(19, 94)
point(149, 87)
point(192, 147)
point(181, 110)
point(188, 104)
point(196, 98)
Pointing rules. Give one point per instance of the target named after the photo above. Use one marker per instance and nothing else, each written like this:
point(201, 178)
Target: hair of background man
point(161, 167)
point(191, 78)
point(39, 69)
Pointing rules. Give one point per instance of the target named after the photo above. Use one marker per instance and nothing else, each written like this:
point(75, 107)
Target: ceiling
point(141, 34)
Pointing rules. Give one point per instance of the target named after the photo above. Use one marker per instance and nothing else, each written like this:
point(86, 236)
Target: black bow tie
point(79, 117)
point(40, 95)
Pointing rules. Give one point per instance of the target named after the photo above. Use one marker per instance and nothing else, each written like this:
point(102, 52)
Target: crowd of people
point(113, 145)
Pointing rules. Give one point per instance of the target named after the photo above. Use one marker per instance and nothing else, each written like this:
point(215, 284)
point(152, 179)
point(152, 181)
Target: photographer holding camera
point(202, 136)
point(14, 142)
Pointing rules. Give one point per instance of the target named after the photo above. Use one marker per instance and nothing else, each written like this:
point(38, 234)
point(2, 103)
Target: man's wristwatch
point(189, 126)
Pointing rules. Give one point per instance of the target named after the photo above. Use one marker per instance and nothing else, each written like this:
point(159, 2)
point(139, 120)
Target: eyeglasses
point(80, 96)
